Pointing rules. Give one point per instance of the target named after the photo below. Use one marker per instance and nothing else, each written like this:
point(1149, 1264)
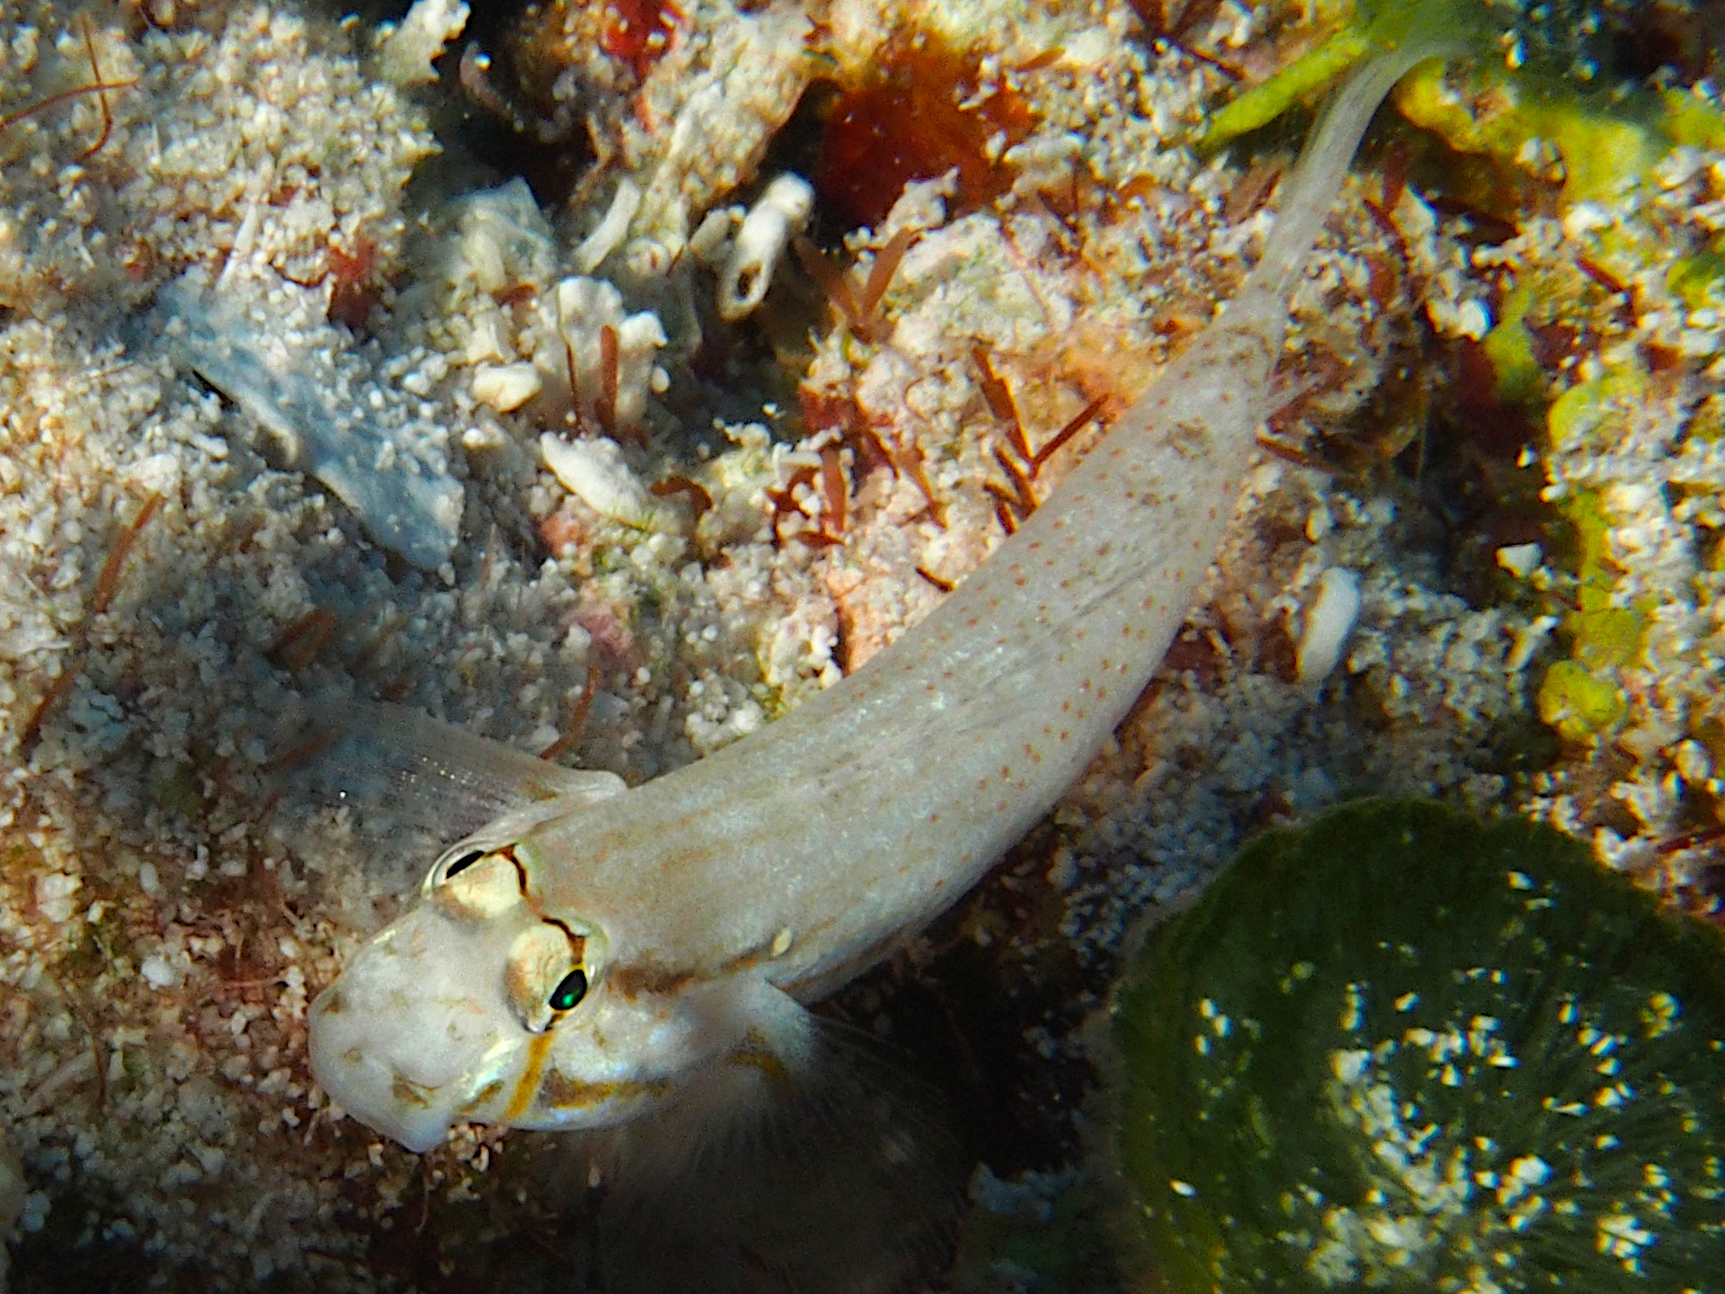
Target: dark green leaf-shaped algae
point(1404, 1050)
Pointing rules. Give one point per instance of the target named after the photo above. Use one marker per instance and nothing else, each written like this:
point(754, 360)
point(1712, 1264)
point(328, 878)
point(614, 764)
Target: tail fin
point(1311, 187)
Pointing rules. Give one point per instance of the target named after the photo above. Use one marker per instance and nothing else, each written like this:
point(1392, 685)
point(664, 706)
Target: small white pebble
point(1520, 560)
point(1329, 621)
point(1088, 49)
point(54, 893)
point(406, 52)
point(1692, 761)
point(158, 972)
point(595, 472)
point(506, 387)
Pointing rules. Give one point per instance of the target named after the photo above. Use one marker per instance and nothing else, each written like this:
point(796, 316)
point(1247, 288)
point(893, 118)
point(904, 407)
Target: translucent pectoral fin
point(826, 1167)
point(390, 788)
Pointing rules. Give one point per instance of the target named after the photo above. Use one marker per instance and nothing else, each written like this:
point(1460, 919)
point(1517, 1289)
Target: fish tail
point(1316, 179)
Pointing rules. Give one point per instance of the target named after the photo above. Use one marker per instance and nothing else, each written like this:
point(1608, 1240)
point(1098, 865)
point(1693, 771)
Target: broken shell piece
point(485, 344)
point(782, 210)
point(611, 230)
point(585, 309)
point(407, 51)
point(1329, 621)
point(506, 387)
point(593, 471)
point(502, 241)
point(326, 408)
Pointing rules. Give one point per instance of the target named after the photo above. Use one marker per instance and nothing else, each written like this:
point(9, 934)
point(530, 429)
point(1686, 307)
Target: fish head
point(450, 1013)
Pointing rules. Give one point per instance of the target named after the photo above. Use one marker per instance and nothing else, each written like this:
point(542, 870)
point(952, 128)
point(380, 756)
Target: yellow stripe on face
point(528, 1087)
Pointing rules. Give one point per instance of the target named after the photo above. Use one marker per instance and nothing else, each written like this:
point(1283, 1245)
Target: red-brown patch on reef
point(354, 285)
point(917, 116)
point(639, 32)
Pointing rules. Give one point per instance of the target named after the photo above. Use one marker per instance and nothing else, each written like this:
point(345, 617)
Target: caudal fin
point(1312, 186)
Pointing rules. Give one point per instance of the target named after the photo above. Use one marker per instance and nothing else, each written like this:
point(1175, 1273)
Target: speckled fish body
point(696, 911)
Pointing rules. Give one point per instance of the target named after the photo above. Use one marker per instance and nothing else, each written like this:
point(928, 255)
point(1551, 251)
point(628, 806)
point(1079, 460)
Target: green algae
point(1306, 77)
point(1582, 697)
point(1532, 123)
point(1405, 1050)
point(1579, 703)
point(1693, 121)
point(1607, 137)
point(1605, 149)
point(1509, 347)
point(1607, 634)
point(1699, 280)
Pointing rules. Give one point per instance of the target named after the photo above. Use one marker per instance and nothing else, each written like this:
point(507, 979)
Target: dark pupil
point(569, 991)
point(463, 863)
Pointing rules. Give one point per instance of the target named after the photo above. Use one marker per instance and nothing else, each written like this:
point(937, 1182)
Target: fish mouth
point(367, 1086)
point(416, 1033)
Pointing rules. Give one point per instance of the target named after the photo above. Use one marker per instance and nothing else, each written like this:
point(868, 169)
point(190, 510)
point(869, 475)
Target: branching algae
point(1402, 1050)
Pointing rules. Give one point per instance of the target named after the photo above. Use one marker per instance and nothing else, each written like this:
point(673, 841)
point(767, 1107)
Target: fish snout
point(416, 1033)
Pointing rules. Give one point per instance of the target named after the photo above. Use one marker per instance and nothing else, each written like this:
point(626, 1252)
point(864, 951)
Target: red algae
point(917, 116)
point(639, 31)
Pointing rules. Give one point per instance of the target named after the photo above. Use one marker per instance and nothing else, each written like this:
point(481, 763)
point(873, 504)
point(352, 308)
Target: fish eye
point(547, 973)
point(569, 991)
point(476, 884)
point(461, 864)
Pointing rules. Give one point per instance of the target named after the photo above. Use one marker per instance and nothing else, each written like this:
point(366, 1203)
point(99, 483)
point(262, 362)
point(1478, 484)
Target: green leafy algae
point(1692, 120)
point(1509, 347)
point(1699, 280)
point(1582, 697)
point(1405, 1050)
point(1582, 694)
point(1306, 76)
point(1606, 149)
point(1579, 703)
point(1364, 27)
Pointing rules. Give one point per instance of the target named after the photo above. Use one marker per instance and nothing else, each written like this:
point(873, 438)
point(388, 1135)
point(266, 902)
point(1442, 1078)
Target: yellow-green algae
point(1509, 346)
point(1608, 138)
point(1307, 76)
point(1406, 1050)
point(1581, 697)
point(1699, 280)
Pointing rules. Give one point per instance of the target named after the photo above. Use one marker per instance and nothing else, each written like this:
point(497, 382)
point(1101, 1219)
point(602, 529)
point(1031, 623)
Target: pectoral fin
point(835, 1171)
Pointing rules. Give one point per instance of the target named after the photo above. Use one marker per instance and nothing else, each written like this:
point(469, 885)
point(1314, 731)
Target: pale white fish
point(579, 963)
